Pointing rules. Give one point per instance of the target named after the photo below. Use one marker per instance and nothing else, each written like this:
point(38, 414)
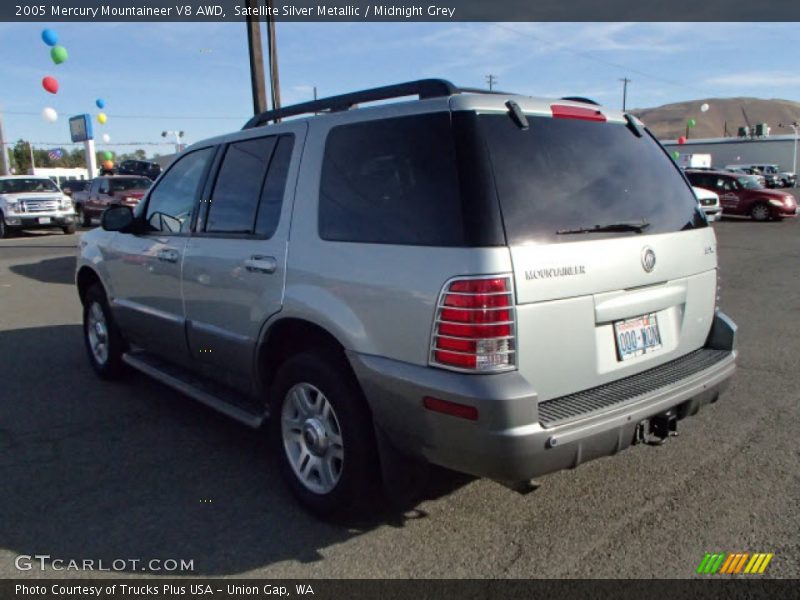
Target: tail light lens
point(475, 326)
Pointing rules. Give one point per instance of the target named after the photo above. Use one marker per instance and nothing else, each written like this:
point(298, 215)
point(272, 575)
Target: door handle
point(170, 256)
point(261, 264)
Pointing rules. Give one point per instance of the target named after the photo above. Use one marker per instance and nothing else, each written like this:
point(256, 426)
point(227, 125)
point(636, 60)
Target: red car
point(743, 195)
point(105, 191)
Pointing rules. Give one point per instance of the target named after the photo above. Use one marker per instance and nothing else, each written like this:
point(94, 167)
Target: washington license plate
point(637, 336)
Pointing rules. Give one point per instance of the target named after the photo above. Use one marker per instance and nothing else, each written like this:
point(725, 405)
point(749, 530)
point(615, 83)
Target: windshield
point(749, 182)
point(566, 175)
point(19, 186)
point(132, 183)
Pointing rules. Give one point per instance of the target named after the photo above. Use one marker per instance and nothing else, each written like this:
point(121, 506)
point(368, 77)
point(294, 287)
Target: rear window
point(567, 174)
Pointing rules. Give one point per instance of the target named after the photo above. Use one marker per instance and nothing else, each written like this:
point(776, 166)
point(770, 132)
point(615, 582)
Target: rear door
point(235, 264)
point(614, 264)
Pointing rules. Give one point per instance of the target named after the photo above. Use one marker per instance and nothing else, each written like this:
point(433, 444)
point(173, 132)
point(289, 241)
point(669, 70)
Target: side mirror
point(117, 218)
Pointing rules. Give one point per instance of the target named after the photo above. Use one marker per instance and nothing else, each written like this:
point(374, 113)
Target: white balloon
point(106, 138)
point(703, 107)
point(50, 115)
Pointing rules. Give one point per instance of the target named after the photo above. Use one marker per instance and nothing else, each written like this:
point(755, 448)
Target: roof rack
point(581, 99)
point(423, 88)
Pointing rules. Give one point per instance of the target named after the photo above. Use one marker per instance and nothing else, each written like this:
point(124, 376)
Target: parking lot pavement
point(98, 470)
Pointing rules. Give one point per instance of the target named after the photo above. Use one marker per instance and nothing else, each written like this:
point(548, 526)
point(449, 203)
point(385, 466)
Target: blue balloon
point(100, 103)
point(49, 37)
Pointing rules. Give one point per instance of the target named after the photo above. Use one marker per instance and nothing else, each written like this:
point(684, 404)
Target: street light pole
point(178, 136)
point(795, 127)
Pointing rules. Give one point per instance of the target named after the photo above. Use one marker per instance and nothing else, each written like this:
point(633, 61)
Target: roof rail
point(423, 88)
point(581, 99)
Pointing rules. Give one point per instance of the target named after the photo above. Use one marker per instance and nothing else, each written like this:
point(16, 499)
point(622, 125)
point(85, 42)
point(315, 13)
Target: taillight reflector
point(474, 328)
point(453, 409)
point(563, 111)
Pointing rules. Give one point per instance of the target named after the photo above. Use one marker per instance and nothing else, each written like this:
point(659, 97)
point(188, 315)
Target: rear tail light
point(475, 326)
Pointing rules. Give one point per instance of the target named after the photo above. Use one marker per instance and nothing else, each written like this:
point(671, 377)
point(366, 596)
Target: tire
point(84, 219)
point(104, 343)
point(4, 231)
point(760, 212)
point(69, 229)
point(323, 436)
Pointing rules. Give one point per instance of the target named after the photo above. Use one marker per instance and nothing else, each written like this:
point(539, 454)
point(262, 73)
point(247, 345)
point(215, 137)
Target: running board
point(217, 397)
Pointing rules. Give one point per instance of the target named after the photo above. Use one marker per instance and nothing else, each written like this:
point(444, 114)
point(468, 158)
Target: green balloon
point(691, 122)
point(107, 155)
point(676, 155)
point(59, 54)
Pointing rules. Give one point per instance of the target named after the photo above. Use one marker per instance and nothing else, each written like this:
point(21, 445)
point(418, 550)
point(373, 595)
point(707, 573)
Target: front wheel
point(69, 229)
point(323, 435)
point(104, 343)
point(760, 212)
point(3, 229)
point(84, 219)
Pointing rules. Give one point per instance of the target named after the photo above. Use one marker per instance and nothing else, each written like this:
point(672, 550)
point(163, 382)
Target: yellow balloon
point(102, 118)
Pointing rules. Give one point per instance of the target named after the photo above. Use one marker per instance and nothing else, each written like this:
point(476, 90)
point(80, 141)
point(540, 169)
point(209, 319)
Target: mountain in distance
point(668, 122)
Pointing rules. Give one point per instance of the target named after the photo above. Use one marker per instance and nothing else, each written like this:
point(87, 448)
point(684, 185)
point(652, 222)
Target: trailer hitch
point(656, 430)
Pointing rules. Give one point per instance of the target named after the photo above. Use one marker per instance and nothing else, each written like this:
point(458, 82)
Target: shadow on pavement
point(101, 470)
point(49, 270)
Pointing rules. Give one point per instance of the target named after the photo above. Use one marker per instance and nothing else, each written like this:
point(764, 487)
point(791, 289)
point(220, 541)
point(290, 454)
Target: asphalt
point(103, 471)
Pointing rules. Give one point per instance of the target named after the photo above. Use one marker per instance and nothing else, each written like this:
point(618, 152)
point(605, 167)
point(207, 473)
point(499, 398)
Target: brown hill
point(668, 122)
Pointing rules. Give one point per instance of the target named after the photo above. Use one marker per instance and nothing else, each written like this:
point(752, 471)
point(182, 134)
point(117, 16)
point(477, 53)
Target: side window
point(169, 208)
point(269, 207)
point(724, 184)
point(234, 201)
point(103, 186)
point(392, 181)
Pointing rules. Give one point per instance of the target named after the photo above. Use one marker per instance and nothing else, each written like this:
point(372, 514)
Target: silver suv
point(497, 284)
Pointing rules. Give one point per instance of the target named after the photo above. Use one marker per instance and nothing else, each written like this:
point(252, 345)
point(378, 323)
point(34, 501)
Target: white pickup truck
point(31, 202)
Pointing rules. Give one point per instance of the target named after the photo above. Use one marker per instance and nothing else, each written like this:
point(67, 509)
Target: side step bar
point(214, 396)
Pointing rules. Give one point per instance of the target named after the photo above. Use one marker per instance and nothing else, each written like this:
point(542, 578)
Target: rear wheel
point(104, 343)
point(322, 434)
point(760, 212)
point(69, 229)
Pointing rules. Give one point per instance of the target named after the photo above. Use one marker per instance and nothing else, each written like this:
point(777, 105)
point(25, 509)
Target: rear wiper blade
point(611, 227)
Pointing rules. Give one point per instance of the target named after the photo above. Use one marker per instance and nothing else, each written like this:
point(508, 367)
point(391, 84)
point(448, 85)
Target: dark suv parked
point(145, 168)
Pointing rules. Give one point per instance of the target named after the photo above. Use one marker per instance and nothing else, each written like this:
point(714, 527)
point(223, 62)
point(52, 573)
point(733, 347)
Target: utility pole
point(256, 52)
point(625, 81)
point(272, 48)
point(33, 163)
point(4, 166)
point(491, 80)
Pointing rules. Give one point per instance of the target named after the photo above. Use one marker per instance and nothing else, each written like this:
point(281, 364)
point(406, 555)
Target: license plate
point(637, 336)
point(44, 220)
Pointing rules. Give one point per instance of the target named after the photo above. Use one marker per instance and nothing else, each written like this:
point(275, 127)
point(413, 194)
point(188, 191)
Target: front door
point(145, 267)
point(234, 264)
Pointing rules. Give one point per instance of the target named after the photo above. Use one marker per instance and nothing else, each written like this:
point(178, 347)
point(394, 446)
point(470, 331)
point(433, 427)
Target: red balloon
point(50, 84)
point(682, 140)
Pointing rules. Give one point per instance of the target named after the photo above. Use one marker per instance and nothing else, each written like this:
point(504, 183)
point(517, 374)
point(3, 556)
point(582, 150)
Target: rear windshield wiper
point(611, 227)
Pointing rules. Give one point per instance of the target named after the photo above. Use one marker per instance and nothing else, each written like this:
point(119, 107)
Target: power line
point(566, 48)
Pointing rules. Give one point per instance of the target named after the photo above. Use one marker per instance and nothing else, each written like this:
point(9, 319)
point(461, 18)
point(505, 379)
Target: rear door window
point(567, 174)
point(392, 181)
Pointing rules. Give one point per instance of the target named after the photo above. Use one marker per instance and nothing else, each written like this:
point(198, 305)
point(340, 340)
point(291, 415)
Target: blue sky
point(195, 77)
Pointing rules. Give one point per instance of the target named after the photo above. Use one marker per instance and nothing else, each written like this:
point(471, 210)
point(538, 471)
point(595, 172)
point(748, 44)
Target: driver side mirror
point(117, 218)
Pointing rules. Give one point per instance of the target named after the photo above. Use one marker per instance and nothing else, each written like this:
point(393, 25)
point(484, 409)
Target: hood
point(39, 196)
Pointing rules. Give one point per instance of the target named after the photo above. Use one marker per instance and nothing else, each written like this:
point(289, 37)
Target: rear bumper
point(509, 441)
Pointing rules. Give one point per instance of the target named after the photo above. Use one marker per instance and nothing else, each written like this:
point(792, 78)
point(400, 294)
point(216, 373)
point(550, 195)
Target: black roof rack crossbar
point(424, 88)
point(581, 99)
